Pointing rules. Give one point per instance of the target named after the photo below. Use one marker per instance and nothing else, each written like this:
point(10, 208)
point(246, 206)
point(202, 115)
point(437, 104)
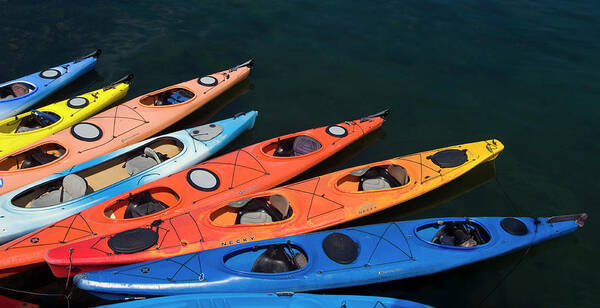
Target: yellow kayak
point(26, 128)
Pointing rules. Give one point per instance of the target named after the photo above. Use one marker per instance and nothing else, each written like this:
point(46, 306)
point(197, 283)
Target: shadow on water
point(339, 159)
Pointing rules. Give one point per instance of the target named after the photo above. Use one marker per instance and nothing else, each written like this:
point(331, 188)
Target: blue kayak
point(68, 192)
point(332, 259)
point(17, 96)
point(285, 299)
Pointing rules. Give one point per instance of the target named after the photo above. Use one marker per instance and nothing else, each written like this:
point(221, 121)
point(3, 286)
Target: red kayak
point(254, 168)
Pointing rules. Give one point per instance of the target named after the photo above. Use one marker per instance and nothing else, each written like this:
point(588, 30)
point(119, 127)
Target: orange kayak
point(297, 208)
point(122, 125)
point(254, 168)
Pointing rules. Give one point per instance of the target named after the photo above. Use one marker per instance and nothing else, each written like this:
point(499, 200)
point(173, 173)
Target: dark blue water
point(524, 72)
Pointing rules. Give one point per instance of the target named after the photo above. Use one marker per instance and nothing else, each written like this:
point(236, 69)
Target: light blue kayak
point(17, 96)
point(63, 194)
point(289, 300)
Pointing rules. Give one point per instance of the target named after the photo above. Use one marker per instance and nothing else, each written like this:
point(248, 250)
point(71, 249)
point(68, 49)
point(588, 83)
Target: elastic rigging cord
point(67, 296)
point(515, 207)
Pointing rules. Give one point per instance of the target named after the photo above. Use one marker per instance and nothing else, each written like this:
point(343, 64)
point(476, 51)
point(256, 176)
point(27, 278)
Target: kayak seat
point(19, 89)
point(173, 98)
point(285, 148)
point(143, 204)
point(276, 260)
point(144, 161)
point(37, 158)
point(296, 146)
point(36, 120)
point(304, 145)
point(73, 187)
point(383, 177)
point(258, 210)
point(14, 90)
point(460, 234)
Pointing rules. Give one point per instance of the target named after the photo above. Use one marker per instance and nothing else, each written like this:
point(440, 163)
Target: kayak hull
point(290, 300)
point(44, 87)
point(314, 204)
point(18, 221)
point(122, 125)
point(240, 178)
point(385, 252)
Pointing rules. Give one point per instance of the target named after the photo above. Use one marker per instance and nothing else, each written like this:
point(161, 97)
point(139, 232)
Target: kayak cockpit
point(293, 146)
point(37, 156)
point(169, 97)
point(100, 176)
point(271, 259)
point(142, 204)
point(33, 121)
point(15, 89)
point(259, 210)
point(54, 192)
point(374, 178)
point(454, 233)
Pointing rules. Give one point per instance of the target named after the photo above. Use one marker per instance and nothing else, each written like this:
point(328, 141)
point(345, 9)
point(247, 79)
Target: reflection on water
point(452, 72)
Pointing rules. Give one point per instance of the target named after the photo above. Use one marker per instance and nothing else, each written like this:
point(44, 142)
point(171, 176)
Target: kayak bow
point(20, 94)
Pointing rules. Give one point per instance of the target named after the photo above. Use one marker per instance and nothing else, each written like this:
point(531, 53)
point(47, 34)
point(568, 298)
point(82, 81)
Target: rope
point(31, 293)
point(70, 265)
point(515, 207)
point(67, 297)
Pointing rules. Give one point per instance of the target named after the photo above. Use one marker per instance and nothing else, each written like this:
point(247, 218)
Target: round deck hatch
point(337, 131)
point(203, 179)
point(86, 131)
point(208, 81)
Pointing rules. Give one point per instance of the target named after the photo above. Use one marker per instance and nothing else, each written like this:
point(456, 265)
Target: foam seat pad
point(304, 145)
point(49, 199)
point(143, 204)
point(27, 127)
point(74, 187)
point(375, 184)
point(258, 217)
point(142, 162)
point(43, 158)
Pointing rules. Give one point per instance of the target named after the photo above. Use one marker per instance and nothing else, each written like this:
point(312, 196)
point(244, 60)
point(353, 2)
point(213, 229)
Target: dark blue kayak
point(331, 259)
point(286, 299)
point(19, 95)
